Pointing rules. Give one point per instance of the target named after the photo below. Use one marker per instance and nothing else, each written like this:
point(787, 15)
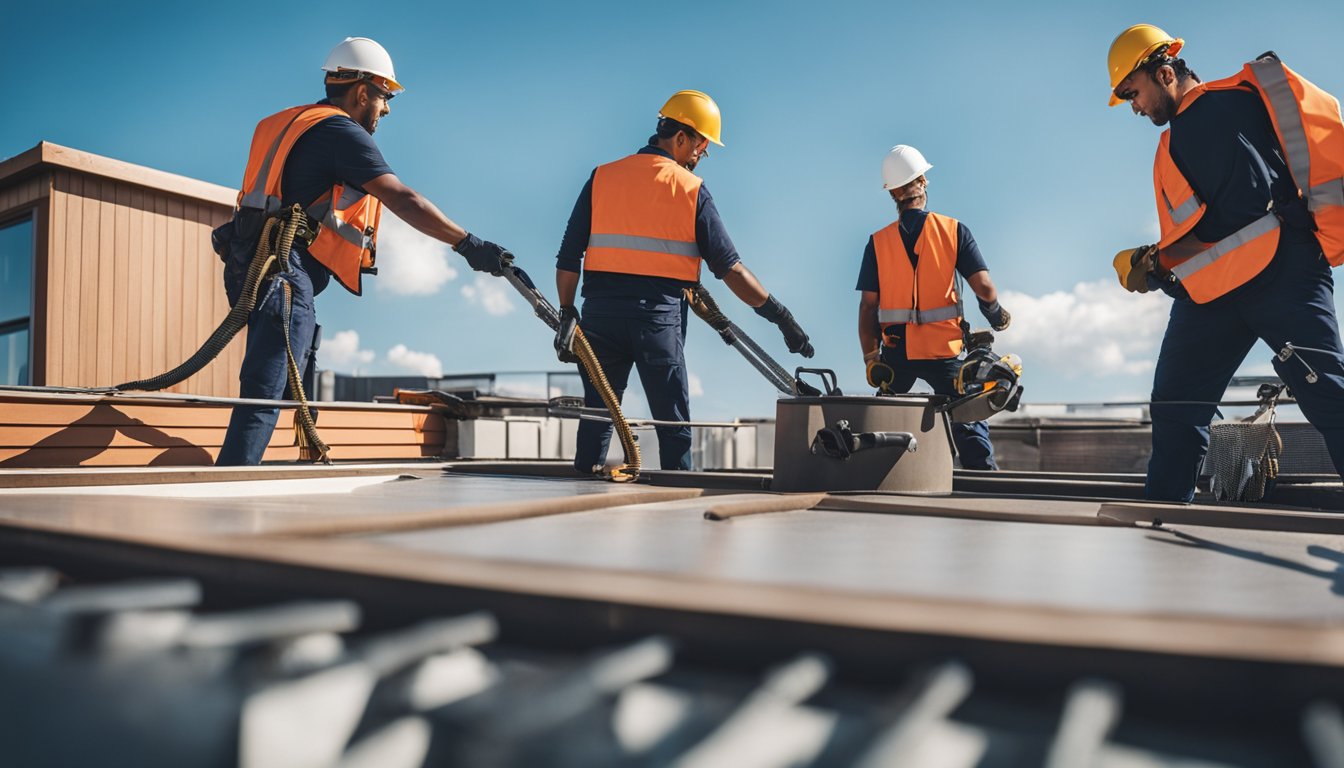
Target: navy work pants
point(265, 370)
point(971, 439)
point(1292, 301)
point(624, 336)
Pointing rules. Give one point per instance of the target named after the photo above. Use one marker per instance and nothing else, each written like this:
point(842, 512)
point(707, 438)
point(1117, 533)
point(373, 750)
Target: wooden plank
point(74, 249)
point(135, 304)
point(131, 435)
point(159, 323)
point(194, 308)
point(107, 269)
point(189, 456)
point(172, 255)
point(79, 478)
point(88, 286)
point(121, 272)
point(57, 311)
point(170, 183)
point(44, 414)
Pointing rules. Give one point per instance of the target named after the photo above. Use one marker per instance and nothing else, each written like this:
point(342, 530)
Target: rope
point(262, 266)
point(311, 447)
point(629, 471)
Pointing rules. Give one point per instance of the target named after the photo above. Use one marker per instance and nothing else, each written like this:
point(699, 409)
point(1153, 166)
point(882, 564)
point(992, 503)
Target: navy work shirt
point(969, 260)
point(641, 293)
point(1225, 146)
point(335, 151)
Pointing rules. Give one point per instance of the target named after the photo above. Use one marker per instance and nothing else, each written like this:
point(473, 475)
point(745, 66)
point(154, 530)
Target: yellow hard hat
point(697, 110)
point(1134, 45)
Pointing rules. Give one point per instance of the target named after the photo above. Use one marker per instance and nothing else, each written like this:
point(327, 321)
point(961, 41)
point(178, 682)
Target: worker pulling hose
point(278, 235)
point(704, 306)
point(629, 471)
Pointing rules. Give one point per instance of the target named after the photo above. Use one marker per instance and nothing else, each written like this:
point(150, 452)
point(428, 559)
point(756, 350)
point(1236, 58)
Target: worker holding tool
point(1251, 211)
point(322, 158)
point(639, 231)
point(911, 324)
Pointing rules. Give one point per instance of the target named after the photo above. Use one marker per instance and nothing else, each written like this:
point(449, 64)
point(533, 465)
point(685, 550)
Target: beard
point(1164, 111)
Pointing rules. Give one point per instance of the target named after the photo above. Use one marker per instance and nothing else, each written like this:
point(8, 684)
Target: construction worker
point(1237, 207)
point(910, 313)
point(321, 157)
point(639, 231)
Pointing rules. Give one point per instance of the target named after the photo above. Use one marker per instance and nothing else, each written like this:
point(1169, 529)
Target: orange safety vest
point(924, 296)
point(1310, 130)
point(644, 219)
point(347, 238)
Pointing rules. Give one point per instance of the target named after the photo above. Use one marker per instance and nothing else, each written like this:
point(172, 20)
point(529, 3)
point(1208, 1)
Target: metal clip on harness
point(629, 471)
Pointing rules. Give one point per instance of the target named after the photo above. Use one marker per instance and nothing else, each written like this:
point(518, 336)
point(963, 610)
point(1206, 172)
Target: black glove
point(483, 255)
point(564, 335)
point(997, 316)
point(794, 336)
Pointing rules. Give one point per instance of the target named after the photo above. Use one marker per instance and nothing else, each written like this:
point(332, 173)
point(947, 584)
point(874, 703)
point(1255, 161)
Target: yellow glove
point(880, 374)
point(1133, 265)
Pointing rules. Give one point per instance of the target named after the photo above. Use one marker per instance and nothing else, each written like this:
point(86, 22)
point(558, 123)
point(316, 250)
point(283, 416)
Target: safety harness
point(279, 233)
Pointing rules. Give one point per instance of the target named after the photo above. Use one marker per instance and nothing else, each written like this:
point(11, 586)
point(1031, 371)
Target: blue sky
point(510, 105)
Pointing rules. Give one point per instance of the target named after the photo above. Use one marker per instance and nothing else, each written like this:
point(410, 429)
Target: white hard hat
point(902, 165)
point(364, 56)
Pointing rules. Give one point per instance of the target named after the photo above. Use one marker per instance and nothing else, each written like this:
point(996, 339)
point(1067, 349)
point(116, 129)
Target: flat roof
point(49, 155)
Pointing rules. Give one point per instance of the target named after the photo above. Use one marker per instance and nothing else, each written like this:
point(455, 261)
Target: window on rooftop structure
point(16, 301)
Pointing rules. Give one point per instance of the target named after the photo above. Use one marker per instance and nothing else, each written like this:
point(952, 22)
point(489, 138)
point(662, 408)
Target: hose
point(263, 265)
point(629, 471)
point(260, 268)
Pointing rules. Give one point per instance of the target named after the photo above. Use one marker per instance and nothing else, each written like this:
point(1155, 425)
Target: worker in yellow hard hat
point(1248, 217)
point(639, 232)
point(322, 158)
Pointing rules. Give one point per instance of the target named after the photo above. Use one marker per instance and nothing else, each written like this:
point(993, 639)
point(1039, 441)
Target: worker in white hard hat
point(639, 233)
point(911, 324)
point(322, 158)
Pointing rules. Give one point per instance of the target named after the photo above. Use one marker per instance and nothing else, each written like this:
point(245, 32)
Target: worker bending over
point(910, 314)
point(322, 157)
point(639, 231)
point(1245, 204)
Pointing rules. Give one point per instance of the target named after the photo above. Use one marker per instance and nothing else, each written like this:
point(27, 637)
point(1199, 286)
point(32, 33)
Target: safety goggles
point(386, 88)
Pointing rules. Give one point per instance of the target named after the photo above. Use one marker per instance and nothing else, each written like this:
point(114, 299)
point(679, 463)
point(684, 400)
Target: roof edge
point(47, 154)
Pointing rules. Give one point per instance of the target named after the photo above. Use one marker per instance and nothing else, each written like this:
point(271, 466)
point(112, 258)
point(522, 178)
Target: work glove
point(997, 316)
point(483, 255)
point(794, 336)
point(880, 374)
point(564, 335)
point(1133, 266)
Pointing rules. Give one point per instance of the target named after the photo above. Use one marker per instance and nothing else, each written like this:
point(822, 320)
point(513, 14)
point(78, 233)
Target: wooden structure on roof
point(125, 284)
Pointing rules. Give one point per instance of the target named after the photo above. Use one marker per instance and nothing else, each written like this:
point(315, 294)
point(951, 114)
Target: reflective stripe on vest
point(643, 220)
point(917, 295)
point(916, 316)
point(1263, 225)
point(1183, 211)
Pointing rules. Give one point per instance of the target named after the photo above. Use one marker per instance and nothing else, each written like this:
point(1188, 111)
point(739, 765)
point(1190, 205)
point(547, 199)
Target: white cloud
point(1094, 331)
point(410, 263)
point(342, 352)
point(491, 294)
point(697, 388)
point(422, 363)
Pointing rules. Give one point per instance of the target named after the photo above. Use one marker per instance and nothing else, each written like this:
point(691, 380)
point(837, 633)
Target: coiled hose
point(263, 265)
point(629, 471)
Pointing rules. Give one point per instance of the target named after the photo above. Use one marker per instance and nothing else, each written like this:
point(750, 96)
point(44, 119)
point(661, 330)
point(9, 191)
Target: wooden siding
point(134, 287)
point(64, 431)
